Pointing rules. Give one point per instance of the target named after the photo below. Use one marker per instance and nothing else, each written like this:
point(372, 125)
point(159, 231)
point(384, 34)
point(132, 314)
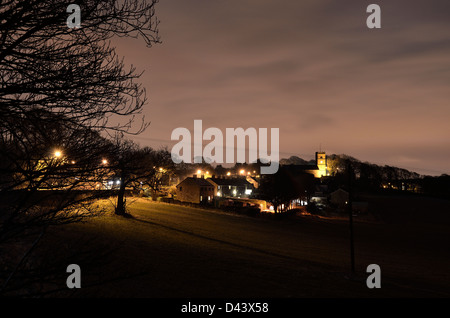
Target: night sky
point(311, 68)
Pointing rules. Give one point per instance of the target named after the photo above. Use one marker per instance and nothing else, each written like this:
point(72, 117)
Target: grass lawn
point(174, 251)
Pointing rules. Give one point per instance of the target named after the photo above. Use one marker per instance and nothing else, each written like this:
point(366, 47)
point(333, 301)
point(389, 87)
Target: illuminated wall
point(321, 161)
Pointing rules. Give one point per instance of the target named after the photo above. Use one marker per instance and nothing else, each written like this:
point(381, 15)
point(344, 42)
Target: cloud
point(314, 122)
point(308, 67)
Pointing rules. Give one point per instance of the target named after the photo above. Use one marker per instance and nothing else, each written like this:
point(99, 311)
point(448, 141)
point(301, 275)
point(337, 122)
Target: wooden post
point(350, 215)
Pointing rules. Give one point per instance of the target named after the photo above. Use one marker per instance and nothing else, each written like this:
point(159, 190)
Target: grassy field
point(174, 251)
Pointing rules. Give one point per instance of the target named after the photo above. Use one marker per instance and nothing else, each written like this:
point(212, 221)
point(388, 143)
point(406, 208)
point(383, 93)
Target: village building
point(319, 170)
point(195, 190)
point(237, 187)
point(206, 189)
point(339, 198)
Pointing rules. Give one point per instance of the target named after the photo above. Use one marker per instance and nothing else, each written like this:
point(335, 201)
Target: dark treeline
point(368, 177)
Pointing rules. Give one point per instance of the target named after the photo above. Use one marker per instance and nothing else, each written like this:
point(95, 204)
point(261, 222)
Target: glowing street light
point(58, 154)
point(104, 161)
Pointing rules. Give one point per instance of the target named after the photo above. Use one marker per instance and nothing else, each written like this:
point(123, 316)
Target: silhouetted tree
point(135, 168)
point(278, 188)
point(61, 89)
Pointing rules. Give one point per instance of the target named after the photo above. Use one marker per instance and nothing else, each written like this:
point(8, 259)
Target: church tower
point(321, 162)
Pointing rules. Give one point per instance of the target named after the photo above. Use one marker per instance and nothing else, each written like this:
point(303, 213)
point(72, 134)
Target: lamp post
point(350, 215)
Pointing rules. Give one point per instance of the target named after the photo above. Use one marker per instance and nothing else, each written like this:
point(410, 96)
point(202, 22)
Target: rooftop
point(197, 181)
point(231, 181)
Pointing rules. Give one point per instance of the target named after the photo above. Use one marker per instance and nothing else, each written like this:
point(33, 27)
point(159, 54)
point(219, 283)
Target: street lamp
point(58, 154)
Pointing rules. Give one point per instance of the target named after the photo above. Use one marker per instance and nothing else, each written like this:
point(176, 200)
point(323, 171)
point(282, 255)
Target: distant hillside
point(338, 163)
point(372, 177)
point(294, 160)
point(369, 170)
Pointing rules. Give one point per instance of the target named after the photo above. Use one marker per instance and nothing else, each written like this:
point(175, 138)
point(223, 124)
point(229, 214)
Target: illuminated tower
point(321, 162)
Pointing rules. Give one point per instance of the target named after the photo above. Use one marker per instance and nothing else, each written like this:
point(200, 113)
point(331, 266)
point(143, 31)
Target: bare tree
point(62, 91)
point(136, 168)
point(74, 72)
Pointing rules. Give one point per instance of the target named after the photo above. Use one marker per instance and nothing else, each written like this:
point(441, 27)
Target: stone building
point(195, 190)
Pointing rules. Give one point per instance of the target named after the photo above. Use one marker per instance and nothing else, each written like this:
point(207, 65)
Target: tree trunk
point(120, 208)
